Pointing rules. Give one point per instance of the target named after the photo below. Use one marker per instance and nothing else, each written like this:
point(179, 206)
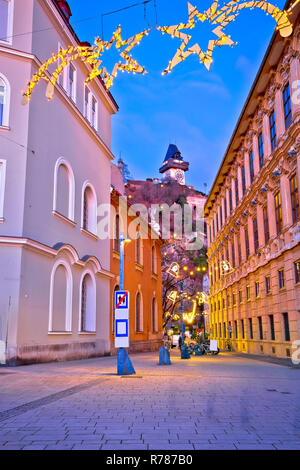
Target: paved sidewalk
point(222, 402)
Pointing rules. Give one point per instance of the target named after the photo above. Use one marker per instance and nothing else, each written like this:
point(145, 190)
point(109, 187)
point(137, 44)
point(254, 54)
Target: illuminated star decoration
point(91, 56)
point(222, 18)
point(130, 66)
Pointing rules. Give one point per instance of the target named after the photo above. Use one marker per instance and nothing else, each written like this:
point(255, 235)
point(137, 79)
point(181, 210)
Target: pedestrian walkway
point(220, 402)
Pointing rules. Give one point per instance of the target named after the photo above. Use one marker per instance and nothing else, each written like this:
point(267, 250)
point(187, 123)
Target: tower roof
point(173, 153)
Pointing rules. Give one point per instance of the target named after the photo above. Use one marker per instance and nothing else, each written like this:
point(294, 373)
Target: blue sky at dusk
point(192, 107)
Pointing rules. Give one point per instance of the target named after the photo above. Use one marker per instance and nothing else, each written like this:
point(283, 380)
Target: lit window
point(278, 212)
point(297, 271)
point(248, 292)
point(257, 289)
point(287, 106)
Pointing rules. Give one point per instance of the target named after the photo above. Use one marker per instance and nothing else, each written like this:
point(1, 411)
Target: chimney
point(65, 9)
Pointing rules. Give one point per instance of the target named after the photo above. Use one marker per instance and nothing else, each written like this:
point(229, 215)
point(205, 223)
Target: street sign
point(121, 299)
point(122, 319)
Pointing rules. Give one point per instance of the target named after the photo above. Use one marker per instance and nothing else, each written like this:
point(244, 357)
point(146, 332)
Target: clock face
point(179, 176)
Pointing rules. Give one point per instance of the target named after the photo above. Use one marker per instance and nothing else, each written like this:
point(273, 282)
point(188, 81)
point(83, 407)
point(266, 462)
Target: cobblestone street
point(222, 402)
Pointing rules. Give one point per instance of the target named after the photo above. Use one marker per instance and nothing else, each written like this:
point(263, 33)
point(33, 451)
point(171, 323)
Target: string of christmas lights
point(92, 54)
point(222, 18)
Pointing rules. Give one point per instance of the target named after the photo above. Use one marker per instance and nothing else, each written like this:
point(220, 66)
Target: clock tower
point(173, 168)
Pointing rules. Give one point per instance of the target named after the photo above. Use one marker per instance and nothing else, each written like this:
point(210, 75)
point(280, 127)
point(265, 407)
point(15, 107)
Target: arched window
point(60, 311)
point(6, 20)
point(153, 259)
point(117, 233)
point(114, 306)
point(154, 316)
point(4, 100)
point(138, 248)
point(64, 189)
point(87, 303)
point(138, 313)
point(89, 209)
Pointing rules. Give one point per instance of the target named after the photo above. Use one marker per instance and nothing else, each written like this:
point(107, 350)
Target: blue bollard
point(125, 366)
point(198, 351)
point(184, 352)
point(164, 358)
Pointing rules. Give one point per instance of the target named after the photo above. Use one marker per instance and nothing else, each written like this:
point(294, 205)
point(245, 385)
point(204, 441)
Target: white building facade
point(54, 173)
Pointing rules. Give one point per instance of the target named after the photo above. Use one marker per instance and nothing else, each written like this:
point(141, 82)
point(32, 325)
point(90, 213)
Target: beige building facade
point(253, 214)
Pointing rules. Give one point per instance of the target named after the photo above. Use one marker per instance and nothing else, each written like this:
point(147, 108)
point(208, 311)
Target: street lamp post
point(181, 311)
point(122, 244)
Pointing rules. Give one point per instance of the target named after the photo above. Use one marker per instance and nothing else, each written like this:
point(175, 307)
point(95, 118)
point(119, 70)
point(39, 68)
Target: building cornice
point(53, 252)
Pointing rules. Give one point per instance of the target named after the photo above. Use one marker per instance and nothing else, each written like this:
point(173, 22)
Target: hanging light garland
point(222, 18)
point(190, 317)
point(91, 55)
